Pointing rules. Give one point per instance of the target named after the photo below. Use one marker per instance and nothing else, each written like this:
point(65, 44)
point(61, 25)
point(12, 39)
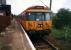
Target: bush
point(64, 34)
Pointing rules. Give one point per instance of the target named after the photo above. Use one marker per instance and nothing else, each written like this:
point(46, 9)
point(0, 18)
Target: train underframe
point(39, 32)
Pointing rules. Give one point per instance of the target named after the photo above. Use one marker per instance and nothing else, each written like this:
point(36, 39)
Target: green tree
point(62, 18)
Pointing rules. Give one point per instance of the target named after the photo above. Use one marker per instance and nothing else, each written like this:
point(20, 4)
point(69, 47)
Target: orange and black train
point(37, 20)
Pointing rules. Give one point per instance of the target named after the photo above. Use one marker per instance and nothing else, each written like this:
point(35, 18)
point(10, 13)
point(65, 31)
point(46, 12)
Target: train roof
point(37, 9)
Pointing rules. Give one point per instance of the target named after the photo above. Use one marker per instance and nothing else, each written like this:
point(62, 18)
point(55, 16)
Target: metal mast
point(50, 4)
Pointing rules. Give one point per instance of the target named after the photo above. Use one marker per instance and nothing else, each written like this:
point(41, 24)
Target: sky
point(18, 6)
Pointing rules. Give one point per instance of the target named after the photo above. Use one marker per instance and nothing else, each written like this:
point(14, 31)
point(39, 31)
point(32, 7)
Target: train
point(5, 16)
point(36, 20)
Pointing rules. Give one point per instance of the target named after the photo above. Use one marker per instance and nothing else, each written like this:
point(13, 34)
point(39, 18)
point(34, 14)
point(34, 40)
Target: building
point(2, 1)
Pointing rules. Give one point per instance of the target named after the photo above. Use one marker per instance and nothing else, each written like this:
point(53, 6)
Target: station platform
point(15, 38)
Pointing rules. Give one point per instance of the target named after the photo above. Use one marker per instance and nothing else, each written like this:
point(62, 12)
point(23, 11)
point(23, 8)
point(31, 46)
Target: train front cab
point(37, 23)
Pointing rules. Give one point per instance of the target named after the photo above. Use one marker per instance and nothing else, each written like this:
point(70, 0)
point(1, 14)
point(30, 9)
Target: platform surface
point(14, 38)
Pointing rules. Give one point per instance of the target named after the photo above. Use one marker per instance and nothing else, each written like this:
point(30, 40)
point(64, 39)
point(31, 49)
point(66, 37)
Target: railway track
point(42, 44)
